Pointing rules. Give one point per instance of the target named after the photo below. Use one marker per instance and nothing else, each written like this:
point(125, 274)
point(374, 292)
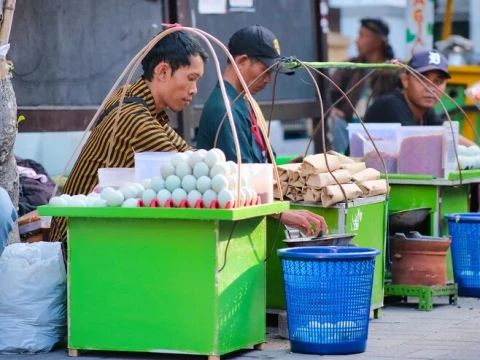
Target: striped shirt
point(138, 129)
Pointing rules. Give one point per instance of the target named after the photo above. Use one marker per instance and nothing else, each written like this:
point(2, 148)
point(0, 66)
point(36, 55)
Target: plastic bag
point(33, 298)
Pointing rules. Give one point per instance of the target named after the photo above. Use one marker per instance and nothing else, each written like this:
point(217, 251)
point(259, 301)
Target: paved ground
point(448, 332)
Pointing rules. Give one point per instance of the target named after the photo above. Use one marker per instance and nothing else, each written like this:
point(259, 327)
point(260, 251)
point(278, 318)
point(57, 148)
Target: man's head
point(432, 65)
point(373, 38)
point(173, 67)
point(255, 49)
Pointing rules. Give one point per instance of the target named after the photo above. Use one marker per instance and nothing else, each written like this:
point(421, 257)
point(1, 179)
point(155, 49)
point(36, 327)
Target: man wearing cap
point(373, 47)
point(413, 104)
point(254, 49)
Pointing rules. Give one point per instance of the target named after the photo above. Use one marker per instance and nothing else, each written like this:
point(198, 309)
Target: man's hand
point(307, 222)
point(336, 114)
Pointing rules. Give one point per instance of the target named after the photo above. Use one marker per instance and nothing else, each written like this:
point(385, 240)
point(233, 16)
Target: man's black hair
point(175, 49)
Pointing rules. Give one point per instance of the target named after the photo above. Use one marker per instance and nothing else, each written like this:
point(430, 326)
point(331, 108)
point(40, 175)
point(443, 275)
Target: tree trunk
point(8, 134)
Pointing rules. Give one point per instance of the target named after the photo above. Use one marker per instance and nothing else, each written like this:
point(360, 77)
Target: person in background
point(413, 103)
point(373, 47)
point(254, 49)
point(171, 71)
point(8, 217)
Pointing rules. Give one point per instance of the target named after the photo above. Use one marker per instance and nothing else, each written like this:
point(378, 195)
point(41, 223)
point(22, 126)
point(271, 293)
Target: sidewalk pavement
point(447, 332)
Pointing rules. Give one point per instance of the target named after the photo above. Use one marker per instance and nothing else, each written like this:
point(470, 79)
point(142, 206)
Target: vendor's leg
point(8, 216)
point(340, 135)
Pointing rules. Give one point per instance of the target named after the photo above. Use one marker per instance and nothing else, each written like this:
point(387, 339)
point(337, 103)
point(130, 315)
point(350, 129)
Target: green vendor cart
point(166, 280)
point(365, 217)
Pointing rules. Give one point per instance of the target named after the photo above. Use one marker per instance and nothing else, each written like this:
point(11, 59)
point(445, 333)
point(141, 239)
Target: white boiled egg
point(167, 170)
point(245, 194)
point(131, 203)
point(163, 196)
point(57, 201)
point(147, 184)
point(139, 187)
point(65, 197)
point(147, 197)
point(211, 158)
point(172, 183)
point(91, 201)
point(201, 169)
point(158, 184)
point(80, 197)
point(233, 167)
point(208, 197)
point(194, 159)
point(224, 197)
point(189, 183)
point(178, 159)
point(220, 153)
point(93, 195)
point(202, 151)
point(253, 195)
point(105, 192)
point(182, 170)
point(100, 203)
point(232, 182)
point(76, 202)
point(204, 183)
point(129, 192)
point(114, 198)
point(178, 195)
point(219, 183)
point(192, 197)
point(220, 168)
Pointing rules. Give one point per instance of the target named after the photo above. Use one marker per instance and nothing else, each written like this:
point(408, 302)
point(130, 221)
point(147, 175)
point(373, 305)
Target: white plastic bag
point(33, 297)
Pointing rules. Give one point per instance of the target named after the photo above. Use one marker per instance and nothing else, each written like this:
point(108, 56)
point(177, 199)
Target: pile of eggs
point(469, 157)
point(192, 179)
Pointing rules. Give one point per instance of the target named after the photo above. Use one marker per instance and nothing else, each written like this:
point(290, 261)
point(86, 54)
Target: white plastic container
point(148, 164)
point(378, 131)
point(420, 150)
point(388, 151)
point(259, 177)
point(115, 177)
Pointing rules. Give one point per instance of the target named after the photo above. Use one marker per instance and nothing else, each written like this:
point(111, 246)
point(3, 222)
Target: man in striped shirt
point(170, 74)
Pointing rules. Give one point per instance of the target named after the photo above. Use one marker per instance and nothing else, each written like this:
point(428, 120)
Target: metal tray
point(327, 240)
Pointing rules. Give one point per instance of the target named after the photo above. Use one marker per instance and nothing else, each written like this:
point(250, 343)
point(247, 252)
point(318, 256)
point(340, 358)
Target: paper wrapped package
point(342, 158)
point(332, 194)
point(354, 168)
point(325, 179)
point(285, 171)
point(283, 186)
point(312, 195)
point(374, 187)
point(366, 175)
point(315, 164)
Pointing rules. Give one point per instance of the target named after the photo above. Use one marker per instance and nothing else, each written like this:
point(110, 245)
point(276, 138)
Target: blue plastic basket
point(328, 293)
point(465, 232)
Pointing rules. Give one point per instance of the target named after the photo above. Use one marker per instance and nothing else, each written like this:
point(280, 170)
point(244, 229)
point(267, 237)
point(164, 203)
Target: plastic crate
point(328, 293)
point(465, 232)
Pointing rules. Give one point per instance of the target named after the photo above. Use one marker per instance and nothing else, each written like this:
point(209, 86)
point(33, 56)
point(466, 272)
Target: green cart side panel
point(241, 298)
point(404, 197)
point(367, 221)
point(136, 288)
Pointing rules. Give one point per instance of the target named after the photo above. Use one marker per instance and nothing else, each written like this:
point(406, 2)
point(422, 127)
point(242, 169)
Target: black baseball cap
point(377, 26)
point(429, 60)
point(258, 42)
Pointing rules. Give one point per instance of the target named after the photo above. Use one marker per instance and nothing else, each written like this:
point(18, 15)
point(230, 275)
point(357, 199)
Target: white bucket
point(148, 164)
point(115, 177)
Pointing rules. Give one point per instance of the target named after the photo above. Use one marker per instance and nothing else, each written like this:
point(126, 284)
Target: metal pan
point(407, 220)
point(327, 240)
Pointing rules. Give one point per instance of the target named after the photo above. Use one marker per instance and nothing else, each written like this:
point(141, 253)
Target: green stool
point(425, 294)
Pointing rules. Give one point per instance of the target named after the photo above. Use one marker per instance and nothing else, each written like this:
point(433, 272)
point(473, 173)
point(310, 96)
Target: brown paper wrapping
point(312, 195)
point(354, 168)
point(366, 175)
point(373, 187)
point(332, 194)
point(283, 186)
point(285, 171)
point(315, 164)
point(341, 158)
point(325, 179)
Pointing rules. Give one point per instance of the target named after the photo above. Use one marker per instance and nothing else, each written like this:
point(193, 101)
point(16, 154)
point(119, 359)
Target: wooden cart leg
point(261, 346)
point(213, 357)
point(73, 352)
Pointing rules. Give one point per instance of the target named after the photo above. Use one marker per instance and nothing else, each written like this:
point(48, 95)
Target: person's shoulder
point(389, 98)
